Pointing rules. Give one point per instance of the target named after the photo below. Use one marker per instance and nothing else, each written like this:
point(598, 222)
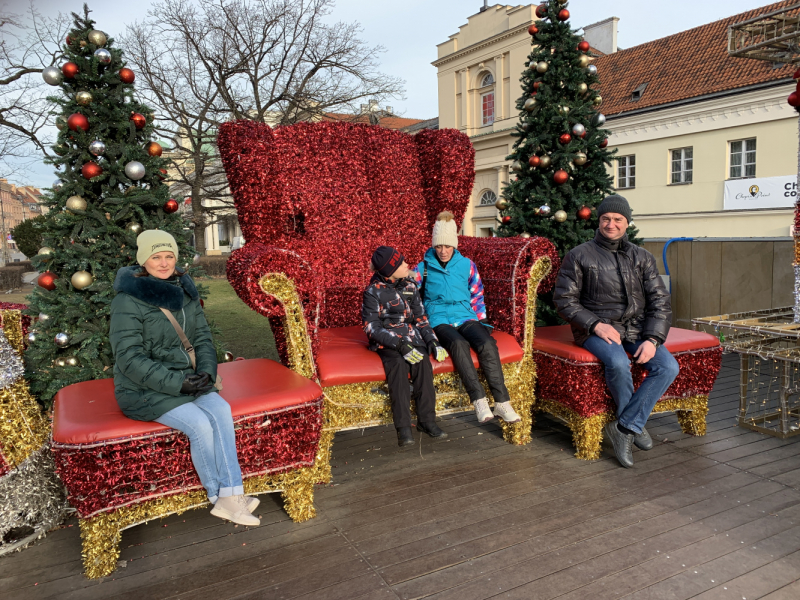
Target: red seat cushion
point(87, 412)
point(344, 356)
point(557, 340)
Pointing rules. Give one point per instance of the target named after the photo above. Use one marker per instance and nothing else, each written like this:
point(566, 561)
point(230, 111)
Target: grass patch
point(243, 331)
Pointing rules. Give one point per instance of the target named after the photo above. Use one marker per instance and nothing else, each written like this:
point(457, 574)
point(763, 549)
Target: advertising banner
point(760, 192)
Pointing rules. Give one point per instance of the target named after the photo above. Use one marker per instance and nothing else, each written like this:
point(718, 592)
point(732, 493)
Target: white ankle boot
point(234, 508)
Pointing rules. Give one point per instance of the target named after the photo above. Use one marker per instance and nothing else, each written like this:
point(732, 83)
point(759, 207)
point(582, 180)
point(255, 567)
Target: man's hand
point(606, 332)
point(645, 352)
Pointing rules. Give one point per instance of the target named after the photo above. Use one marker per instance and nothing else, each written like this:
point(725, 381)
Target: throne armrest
point(280, 285)
point(513, 270)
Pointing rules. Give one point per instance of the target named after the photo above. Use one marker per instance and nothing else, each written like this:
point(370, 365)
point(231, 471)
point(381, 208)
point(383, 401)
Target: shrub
point(28, 236)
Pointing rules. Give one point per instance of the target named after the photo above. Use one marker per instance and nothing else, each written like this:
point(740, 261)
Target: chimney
point(603, 35)
point(485, 5)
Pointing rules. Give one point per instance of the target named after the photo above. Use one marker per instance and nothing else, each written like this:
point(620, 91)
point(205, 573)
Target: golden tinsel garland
point(587, 432)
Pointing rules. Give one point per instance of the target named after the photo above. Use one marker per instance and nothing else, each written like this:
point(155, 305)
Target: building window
point(485, 232)
point(626, 172)
point(487, 105)
point(487, 80)
point(488, 198)
point(743, 159)
point(682, 165)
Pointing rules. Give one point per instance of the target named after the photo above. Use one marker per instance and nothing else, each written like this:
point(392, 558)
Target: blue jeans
point(633, 409)
point(208, 423)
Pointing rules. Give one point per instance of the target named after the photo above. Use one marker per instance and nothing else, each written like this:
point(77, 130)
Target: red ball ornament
point(584, 46)
point(170, 206)
point(560, 176)
point(583, 135)
point(563, 14)
point(536, 85)
point(793, 99)
point(506, 220)
point(604, 143)
point(565, 138)
point(69, 69)
point(584, 213)
point(138, 120)
point(47, 280)
point(126, 75)
point(163, 174)
point(533, 30)
point(77, 121)
point(534, 161)
point(154, 149)
point(91, 170)
point(541, 11)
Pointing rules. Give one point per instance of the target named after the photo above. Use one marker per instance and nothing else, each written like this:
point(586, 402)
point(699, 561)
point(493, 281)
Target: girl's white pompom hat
point(445, 231)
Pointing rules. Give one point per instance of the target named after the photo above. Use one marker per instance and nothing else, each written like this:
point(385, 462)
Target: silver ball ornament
point(58, 185)
point(598, 120)
point(31, 337)
point(52, 75)
point(544, 210)
point(103, 56)
point(97, 147)
point(134, 170)
point(227, 357)
point(61, 340)
point(44, 317)
point(196, 259)
point(530, 104)
point(578, 130)
point(592, 69)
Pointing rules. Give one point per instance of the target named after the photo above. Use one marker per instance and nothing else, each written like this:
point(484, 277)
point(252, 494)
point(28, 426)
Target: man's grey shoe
point(622, 443)
point(643, 441)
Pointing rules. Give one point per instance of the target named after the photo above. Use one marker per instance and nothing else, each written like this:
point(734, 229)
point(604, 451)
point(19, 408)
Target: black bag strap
point(424, 278)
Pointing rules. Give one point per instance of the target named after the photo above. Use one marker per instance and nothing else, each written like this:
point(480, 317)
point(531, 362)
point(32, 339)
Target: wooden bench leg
point(100, 536)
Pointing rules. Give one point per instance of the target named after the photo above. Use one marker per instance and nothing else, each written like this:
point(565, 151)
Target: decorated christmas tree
point(110, 188)
point(560, 158)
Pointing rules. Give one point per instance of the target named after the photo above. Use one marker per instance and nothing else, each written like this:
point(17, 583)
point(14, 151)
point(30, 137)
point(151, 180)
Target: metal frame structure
point(773, 36)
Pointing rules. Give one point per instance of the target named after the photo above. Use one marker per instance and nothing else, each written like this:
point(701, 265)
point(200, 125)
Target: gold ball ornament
point(560, 216)
point(564, 110)
point(544, 161)
point(45, 251)
point(72, 361)
point(582, 88)
point(525, 235)
point(61, 123)
point(583, 61)
point(542, 66)
point(530, 104)
point(83, 44)
point(60, 362)
point(97, 37)
point(580, 159)
point(501, 204)
point(228, 357)
point(76, 203)
point(134, 227)
point(598, 100)
point(83, 98)
point(516, 166)
point(81, 279)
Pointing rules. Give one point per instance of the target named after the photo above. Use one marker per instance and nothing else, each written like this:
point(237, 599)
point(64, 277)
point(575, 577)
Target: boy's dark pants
point(397, 371)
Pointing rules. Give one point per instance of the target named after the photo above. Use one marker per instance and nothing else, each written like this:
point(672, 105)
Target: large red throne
point(314, 200)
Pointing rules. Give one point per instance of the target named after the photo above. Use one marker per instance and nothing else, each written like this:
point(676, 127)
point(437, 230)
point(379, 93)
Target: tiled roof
point(389, 122)
point(682, 66)
point(426, 124)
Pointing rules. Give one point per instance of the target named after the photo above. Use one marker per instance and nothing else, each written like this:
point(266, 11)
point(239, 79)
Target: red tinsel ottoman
point(571, 384)
point(120, 472)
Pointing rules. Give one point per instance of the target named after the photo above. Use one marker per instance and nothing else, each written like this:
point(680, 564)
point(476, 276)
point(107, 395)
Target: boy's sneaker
point(482, 410)
point(505, 411)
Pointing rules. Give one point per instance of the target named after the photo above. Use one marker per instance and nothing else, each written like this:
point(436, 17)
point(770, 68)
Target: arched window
point(487, 100)
point(487, 80)
point(488, 198)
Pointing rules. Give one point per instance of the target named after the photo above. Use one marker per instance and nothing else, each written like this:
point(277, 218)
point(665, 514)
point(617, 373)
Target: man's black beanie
point(386, 260)
point(615, 204)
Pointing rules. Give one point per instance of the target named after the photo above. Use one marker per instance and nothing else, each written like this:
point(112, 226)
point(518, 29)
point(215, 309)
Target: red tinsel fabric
point(3, 466)
point(582, 387)
point(315, 199)
point(114, 474)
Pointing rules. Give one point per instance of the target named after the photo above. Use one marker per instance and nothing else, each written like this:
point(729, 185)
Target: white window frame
point(487, 80)
point(682, 165)
point(487, 119)
point(485, 194)
point(742, 158)
point(626, 172)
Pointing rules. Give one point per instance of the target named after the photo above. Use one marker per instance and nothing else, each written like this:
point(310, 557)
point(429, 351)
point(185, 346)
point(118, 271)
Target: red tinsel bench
point(119, 472)
point(571, 384)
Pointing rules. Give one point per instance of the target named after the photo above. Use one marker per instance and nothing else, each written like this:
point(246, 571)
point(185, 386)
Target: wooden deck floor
point(471, 518)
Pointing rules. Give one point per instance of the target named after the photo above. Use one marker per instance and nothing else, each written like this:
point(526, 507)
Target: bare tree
point(275, 61)
point(28, 44)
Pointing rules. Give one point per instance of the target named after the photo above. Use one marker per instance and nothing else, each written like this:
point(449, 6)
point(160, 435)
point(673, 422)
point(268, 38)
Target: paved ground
point(472, 518)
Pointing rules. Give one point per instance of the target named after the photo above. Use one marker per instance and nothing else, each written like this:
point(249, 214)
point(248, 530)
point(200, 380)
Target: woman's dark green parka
point(149, 360)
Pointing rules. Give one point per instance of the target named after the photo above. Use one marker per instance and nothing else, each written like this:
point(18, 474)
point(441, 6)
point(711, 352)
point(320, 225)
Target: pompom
point(445, 215)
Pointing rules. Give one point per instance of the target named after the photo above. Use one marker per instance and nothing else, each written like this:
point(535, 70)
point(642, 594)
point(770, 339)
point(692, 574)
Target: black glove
point(487, 323)
point(405, 348)
point(196, 384)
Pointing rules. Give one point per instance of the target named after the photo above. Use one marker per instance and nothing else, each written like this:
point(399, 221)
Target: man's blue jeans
point(208, 423)
point(633, 409)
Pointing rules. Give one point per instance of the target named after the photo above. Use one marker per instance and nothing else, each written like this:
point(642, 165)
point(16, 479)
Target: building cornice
point(481, 45)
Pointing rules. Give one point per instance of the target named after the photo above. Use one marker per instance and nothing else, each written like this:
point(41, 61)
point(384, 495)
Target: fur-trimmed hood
point(151, 290)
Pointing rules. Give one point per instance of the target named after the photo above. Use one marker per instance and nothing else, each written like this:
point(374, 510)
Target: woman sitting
point(155, 375)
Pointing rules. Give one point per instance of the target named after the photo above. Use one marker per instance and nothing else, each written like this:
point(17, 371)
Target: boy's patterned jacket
point(393, 314)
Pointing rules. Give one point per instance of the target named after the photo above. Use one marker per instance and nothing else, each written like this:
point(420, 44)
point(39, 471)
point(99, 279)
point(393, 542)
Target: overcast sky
point(411, 29)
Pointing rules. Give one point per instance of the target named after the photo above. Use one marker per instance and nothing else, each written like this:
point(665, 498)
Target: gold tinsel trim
point(102, 533)
point(587, 432)
point(539, 271)
point(23, 427)
point(298, 343)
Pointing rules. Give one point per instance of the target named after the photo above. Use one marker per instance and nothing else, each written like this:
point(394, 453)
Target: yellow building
point(707, 144)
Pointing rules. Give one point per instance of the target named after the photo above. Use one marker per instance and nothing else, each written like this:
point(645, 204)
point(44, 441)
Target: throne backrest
point(332, 192)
